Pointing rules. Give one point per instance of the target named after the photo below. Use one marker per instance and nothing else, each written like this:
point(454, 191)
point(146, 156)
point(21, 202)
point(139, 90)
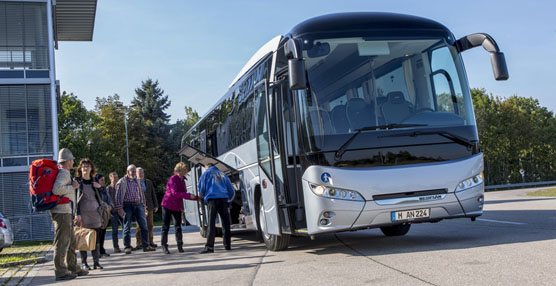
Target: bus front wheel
point(272, 242)
point(396, 230)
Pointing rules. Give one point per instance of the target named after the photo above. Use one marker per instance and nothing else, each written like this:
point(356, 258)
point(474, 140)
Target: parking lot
point(513, 243)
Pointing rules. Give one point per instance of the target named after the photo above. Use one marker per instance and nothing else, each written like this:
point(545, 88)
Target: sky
point(196, 48)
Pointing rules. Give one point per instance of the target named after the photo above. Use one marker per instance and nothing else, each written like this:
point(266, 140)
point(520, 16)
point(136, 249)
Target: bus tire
point(396, 230)
point(272, 242)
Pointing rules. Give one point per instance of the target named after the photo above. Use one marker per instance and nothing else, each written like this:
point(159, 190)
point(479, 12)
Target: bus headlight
point(470, 182)
point(336, 193)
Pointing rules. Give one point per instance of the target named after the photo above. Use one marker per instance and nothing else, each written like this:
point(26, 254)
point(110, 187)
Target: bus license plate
point(411, 214)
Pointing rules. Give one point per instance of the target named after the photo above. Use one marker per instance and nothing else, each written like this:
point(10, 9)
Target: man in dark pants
point(116, 221)
point(216, 190)
point(152, 207)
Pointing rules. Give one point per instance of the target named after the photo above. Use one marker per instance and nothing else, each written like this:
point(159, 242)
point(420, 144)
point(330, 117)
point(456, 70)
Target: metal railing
point(520, 185)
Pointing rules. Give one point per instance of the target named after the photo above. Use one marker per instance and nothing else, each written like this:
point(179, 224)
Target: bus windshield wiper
point(455, 138)
point(338, 155)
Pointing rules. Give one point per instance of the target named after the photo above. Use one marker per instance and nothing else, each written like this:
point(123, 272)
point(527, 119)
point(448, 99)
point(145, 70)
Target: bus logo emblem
point(326, 177)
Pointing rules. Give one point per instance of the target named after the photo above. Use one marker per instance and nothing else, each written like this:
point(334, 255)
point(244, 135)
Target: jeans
point(150, 225)
point(166, 217)
point(115, 224)
point(219, 206)
point(138, 211)
point(65, 260)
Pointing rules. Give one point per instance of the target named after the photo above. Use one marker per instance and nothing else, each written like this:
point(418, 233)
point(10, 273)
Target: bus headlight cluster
point(470, 183)
point(335, 193)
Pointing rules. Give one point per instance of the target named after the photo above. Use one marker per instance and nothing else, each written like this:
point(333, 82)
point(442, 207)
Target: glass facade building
point(28, 106)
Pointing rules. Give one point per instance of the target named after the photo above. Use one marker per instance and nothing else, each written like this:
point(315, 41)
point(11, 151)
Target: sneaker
point(206, 250)
point(117, 250)
point(133, 248)
point(139, 247)
point(81, 272)
point(68, 276)
point(127, 250)
point(105, 255)
point(148, 248)
point(228, 248)
point(153, 245)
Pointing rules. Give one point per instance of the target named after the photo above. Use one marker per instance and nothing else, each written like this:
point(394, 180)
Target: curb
point(40, 259)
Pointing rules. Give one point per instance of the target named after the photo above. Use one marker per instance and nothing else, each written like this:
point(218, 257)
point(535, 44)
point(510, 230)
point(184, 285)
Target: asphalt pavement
point(513, 243)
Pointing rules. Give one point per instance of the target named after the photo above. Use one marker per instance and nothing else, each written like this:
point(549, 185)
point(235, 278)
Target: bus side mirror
point(497, 59)
point(297, 74)
point(499, 67)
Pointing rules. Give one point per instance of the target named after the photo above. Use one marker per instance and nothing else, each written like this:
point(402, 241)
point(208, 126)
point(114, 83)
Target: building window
point(23, 37)
point(25, 122)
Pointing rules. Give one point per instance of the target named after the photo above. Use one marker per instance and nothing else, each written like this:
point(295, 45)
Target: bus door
point(292, 208)
point(198, 159)
point(193, 211)
point(267, 155)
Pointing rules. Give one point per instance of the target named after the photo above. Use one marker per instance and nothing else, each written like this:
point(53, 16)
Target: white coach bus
point(349, 121)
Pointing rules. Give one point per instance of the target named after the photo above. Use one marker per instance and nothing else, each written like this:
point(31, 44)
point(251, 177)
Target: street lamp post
point(126, 141)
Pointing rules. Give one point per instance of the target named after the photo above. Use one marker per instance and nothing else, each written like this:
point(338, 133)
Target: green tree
point(515, 133)
point(76, 126)
point(110, 131)
point(180, 128)
point(150, 103)
point(148, 130)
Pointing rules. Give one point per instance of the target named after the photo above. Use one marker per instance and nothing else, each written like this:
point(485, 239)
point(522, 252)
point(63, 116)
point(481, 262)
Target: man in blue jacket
point(216, 190)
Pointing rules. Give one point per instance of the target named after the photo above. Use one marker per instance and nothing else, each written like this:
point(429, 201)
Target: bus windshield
point(356, 83)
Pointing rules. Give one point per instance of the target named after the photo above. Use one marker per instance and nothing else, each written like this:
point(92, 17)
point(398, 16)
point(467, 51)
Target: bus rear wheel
point(272, 242)
point(396, 230)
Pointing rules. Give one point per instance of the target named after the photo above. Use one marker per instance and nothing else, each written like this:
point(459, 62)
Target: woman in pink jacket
point(172, 205)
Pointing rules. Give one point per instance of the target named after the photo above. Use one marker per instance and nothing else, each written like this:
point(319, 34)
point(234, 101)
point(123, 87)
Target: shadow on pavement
point(535, 225)
point(517, 200)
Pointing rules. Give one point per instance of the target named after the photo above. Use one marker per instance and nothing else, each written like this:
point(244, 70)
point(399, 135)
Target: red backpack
point(42, 174)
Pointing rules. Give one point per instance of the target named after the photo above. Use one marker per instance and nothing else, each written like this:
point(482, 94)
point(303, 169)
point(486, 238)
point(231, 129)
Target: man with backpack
point(65, 260)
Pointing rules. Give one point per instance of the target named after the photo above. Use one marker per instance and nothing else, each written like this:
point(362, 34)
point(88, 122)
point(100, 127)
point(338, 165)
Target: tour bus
point(350, 121)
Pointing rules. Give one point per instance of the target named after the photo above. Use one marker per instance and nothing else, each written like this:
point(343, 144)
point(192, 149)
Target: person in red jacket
point(172, 205)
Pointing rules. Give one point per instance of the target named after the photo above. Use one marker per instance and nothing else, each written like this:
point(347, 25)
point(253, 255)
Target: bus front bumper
point(333, 215)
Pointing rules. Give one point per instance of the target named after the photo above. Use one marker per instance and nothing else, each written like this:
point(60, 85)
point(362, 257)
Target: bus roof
point(364, 21)
point(269, 47)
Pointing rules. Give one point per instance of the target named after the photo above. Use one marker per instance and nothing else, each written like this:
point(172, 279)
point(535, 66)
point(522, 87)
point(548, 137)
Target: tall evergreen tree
point(151, 103)
point(148, 131)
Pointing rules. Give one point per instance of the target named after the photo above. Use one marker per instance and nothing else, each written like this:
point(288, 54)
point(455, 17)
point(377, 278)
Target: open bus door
point(197, 211)
point(270, 172)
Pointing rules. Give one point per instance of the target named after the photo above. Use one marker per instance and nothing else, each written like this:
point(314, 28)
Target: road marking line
point(500, 221)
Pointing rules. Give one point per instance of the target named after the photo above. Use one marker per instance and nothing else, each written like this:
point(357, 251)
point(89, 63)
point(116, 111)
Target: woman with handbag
point(88, 204)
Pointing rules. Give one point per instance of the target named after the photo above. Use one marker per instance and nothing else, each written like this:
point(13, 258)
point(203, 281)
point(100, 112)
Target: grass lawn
point(544, 193)
point(22, 250)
